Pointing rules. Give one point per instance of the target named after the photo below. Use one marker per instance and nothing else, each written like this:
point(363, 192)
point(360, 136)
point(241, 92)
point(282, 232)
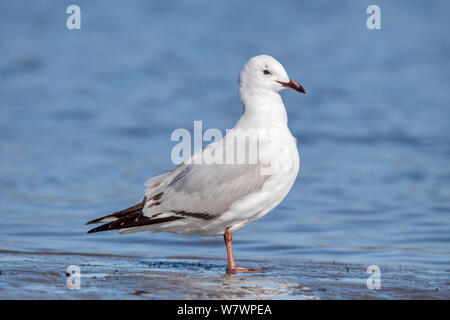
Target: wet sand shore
point(43, 275)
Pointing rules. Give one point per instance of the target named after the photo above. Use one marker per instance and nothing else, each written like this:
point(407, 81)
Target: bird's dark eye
point(266, 72)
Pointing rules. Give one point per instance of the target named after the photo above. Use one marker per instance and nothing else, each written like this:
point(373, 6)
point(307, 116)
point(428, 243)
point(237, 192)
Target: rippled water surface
point(86, 118)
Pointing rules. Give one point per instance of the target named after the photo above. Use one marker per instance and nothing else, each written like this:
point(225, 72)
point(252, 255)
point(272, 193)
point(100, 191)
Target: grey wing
point(190, 191)
point(203, 189)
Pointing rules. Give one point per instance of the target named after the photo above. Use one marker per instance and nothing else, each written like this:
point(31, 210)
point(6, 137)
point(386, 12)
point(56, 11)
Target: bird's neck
point(263, 109)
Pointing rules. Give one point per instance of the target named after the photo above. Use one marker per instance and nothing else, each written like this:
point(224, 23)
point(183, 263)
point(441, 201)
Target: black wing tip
point(123, 224)
point(104, 227)
point(119, 214)
point(93, 221)
point(92, 230)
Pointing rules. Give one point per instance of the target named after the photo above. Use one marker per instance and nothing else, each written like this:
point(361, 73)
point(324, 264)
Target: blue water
point(86, 118)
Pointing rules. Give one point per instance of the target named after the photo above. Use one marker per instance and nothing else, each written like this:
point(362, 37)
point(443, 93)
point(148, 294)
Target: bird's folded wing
point(204, 189)
point(190, 191)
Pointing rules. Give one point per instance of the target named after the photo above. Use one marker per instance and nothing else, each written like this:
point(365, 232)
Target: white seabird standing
point(219, 198)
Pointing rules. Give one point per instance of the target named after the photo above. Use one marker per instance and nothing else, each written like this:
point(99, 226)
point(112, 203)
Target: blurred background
point(86, 117)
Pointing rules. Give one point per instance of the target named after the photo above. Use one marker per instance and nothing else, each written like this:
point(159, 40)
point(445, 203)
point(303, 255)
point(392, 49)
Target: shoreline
point(43, 275)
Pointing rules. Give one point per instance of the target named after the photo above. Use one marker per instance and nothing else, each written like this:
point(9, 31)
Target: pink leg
point(232, 268)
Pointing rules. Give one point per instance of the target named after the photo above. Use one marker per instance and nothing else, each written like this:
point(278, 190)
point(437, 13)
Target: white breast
point(285, 159)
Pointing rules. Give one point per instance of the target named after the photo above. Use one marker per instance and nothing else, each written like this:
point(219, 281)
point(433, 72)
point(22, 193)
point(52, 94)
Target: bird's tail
point(129, 220)
point(117, 220)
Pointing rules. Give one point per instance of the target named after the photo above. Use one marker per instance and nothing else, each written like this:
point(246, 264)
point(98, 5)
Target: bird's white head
point(264, 75)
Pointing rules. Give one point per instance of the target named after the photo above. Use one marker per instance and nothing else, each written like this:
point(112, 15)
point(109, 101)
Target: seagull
point(217, 198)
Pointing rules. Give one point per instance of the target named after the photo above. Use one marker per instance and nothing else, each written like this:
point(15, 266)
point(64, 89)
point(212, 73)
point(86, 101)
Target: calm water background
point(86, 117)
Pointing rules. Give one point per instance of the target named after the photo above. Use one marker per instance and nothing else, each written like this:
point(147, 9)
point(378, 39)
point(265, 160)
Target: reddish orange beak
point(293, 85)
